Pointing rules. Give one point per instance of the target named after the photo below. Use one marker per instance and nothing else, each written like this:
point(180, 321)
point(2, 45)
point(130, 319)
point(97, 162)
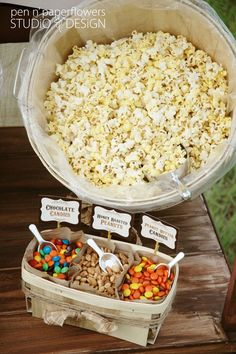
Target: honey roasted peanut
point(92, 275)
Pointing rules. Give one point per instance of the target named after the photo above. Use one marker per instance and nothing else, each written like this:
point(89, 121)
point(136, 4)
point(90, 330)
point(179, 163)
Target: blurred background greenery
point(221, 198)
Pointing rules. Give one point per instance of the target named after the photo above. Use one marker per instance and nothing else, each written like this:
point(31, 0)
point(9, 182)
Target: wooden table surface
point(192, 326)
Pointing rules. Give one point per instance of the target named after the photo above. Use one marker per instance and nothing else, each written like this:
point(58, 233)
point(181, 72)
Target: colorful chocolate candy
point(56, 263)
point(144, 282)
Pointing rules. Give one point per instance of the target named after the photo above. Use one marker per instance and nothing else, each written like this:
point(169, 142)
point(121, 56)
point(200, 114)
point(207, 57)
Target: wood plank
point(84, 341)
point(12, 300)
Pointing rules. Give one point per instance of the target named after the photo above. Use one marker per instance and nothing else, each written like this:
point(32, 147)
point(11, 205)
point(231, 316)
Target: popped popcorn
point(121, 111)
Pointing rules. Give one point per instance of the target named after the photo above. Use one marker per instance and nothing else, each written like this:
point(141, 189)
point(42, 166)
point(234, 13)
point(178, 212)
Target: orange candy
point(154, 282)
point(38, 266)
point(141, 289)
point(61, 276)
point(79, 244)
point(138, 275)
point(53, 253)
point(125, 286)
point(146, 282)
point(47, 258)
point(154, 276)
point(150, 270)
point(161, 293)
point(136, 294)
point(131, 271)
point(135, 280)
point(148, 288)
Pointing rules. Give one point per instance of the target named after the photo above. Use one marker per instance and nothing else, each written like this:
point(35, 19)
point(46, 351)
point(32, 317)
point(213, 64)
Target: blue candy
point(65, 264)
point(47, 249)
point(56, 258)
point(66, 242)
point(56, 264)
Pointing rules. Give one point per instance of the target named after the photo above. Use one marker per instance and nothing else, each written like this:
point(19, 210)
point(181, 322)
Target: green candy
point(42, 253)
point(57, 269)
point(64, 269)
point(45, 266)
point(77, 250)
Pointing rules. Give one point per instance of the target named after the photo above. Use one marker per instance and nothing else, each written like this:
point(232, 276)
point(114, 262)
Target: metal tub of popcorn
point(141, 115)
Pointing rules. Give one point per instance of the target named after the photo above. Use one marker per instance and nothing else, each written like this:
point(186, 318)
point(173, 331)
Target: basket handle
point(58, 317)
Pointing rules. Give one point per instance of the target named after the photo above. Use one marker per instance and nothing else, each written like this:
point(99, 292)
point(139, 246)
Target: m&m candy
point(47, 249)
point(56, 262)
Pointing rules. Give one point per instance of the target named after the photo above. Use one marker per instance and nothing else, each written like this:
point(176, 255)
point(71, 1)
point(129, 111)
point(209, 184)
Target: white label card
point(111, 220)
point(60, 210)
point(158, 231)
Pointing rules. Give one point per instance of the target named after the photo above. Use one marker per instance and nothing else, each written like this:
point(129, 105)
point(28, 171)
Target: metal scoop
point(169, 265)
point(39, 238)
point(106, 260)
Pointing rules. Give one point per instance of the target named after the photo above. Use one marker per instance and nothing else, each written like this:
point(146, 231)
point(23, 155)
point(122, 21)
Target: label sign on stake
point(111, 221)
point(60, 210)
point(158, 231)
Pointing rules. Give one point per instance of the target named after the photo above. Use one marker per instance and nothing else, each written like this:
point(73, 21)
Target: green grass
point(221, 198)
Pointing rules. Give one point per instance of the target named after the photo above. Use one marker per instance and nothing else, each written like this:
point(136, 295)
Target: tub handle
point(182, 189)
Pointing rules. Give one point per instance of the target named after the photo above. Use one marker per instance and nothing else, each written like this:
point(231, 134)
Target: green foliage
point(221, 198)
point(226, 9)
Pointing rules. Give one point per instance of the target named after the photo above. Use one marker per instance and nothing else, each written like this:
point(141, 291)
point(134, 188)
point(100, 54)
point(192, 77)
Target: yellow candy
point(134, 286)
point(148, 294)
point(142, 264)
point(127, 292)
point(37, 258)
point(138, 268)
point(55, 275)
point(62, 251)
point(127, 276)
point(74, 255)
point(142, 297)
point(144, 259)
point(156, 297)
point(155, 290)
point(152, 267)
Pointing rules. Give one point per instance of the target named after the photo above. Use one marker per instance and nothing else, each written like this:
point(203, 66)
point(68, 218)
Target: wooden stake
point(156, 248)
point(109, 235)
point(58, 224)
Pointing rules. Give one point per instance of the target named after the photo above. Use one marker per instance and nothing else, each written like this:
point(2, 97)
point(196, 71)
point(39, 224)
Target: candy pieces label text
point(111, 220)
point(60, 210)
point(158, 231)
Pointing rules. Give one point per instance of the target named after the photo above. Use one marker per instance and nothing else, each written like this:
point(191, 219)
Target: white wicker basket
point(57, 304)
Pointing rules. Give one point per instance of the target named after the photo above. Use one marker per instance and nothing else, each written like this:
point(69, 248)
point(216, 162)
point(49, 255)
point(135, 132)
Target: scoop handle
point(94, 246)
point(178, 258)
point(36, 233)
